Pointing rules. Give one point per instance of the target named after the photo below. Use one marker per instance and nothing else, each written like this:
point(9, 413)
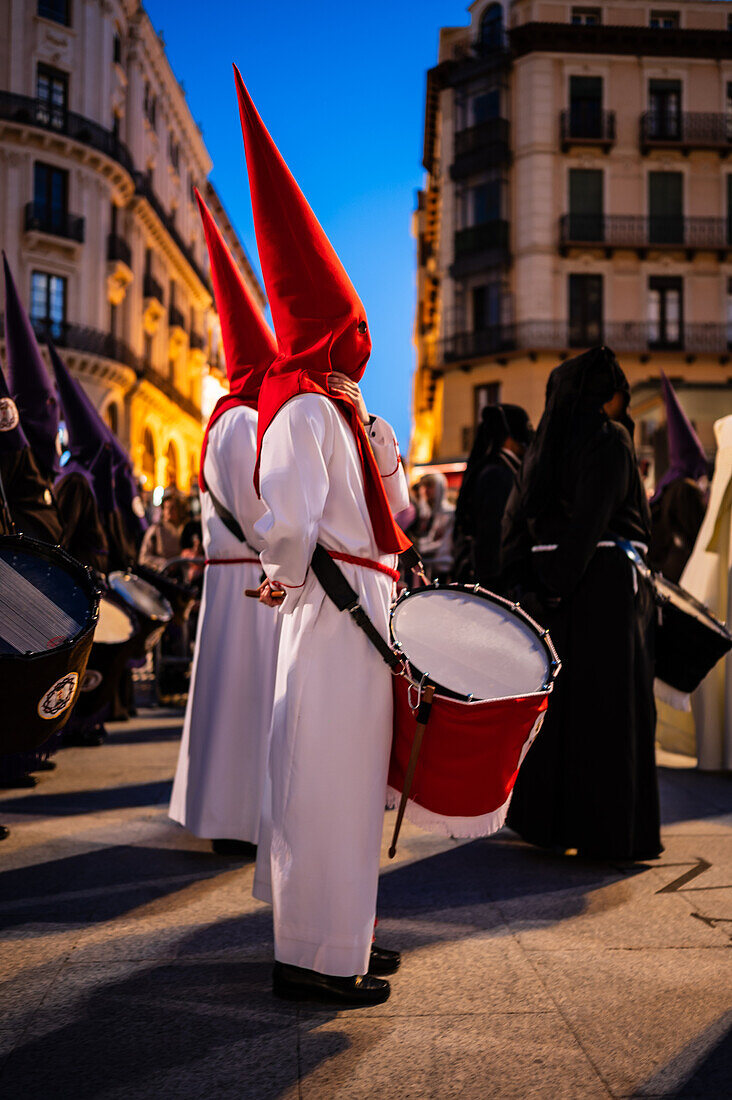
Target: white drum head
point(141, 596)
point(470, 645)
point(114, 625)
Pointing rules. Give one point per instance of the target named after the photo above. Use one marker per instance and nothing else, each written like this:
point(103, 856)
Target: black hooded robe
point(589, 780)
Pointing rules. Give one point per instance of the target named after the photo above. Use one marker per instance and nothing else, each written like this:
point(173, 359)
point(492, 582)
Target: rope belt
point(232, 561)
point(367, 563)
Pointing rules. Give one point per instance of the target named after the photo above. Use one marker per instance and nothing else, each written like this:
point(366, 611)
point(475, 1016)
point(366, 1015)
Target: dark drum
point(152, 611)
point(49, 606)
point(689, 640)
point(114, 643)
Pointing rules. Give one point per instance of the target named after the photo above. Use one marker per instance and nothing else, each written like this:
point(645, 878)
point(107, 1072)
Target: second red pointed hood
point(319, 318)
point(249, 343)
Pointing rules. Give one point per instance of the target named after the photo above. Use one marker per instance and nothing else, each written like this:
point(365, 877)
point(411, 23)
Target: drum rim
point(541, 633)
point(122, 594)
point(86, 579)
point(710, 618)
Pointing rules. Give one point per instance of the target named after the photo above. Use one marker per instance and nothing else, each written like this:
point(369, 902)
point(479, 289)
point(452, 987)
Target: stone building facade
point(99, 155)
point(578, 191)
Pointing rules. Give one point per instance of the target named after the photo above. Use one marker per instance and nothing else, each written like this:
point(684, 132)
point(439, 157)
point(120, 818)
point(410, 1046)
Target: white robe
point(332, 717)
point(222, 763)
point(706, 576)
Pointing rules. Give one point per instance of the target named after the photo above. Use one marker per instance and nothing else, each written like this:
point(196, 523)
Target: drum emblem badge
point(9, 418)
point(59, 696)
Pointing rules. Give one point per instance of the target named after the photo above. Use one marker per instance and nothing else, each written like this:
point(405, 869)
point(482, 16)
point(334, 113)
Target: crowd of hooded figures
point(288, 726)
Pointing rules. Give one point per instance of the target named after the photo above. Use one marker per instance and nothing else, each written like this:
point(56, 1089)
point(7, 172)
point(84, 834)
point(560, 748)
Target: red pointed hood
point(319, 318)
point(249, 343)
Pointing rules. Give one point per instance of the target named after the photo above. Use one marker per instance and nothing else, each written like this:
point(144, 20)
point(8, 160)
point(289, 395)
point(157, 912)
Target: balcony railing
point(686, 130)
point(171, 392)
point(584, 124)
point(196, 340)
point(560, 336)
point(480, 147)
point(176, 318)
point(144, 189)
point(92, 341)
point(151, 288)
point(481, 238)
point(118, 249)
point(642, 233)
point(28, 111)
point(57, 223)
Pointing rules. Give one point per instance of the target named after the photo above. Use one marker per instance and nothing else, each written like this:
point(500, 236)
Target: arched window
point(171, 475)
point(111, 415)
point(491, 27)
point(148, 458)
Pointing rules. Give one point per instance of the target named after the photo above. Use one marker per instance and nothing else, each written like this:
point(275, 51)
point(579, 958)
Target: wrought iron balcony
point(57, 223)
point(561, 337)
point(151, 288)
point(187, 404)
point(686, 130)
point(584, 124)
point(642, 234)
point(28, 111)
point(144, 189)
point(176, 318)
point(118, 249)
point(92, 341)
point(479, 147)
point(196, 340)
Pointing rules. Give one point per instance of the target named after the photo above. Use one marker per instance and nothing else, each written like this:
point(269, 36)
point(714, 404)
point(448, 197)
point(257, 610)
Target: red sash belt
point(367, 563)
point(232, 561)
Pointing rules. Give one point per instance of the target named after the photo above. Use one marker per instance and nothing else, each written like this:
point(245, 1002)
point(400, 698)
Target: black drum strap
point(337, 588)
point(230, 522)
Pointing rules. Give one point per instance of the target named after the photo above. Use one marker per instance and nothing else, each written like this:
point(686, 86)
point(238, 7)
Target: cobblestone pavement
point(135, 963)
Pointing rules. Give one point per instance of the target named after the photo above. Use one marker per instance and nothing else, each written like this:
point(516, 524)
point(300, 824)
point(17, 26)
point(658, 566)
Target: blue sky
point(340, 86)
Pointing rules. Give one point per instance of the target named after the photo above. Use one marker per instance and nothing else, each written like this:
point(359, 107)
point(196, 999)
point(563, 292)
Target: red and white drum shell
point(472, 747)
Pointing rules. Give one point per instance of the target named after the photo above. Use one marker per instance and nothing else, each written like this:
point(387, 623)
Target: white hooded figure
point(707, 576)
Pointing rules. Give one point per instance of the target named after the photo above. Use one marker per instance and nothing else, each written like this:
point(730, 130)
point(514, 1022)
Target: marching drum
point(114, 642)
point(151, 609)
point(493, 669)
point(48, 611)
point(689, 640)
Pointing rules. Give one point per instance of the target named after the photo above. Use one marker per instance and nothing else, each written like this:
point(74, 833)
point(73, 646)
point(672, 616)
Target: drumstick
point(254, 594)
point(423, 717)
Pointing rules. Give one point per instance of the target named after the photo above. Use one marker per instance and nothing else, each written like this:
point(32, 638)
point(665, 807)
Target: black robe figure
point(589, 781)
point(677, 516)
point(490, 474)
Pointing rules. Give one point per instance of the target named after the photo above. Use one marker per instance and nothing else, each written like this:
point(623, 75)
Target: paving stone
point(648, 1019)
point(463, 1057)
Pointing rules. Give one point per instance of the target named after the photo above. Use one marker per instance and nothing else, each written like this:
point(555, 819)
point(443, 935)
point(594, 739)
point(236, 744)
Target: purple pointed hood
point(28, 380)
point(91, 451)
point(12, 436)
point(686, 457)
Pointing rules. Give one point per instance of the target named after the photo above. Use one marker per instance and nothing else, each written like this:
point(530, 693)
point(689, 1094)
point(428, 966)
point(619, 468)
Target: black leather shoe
point(20, 783)
point(383, 961)
point(294, 983)
point(240, 848)
point(4, 832)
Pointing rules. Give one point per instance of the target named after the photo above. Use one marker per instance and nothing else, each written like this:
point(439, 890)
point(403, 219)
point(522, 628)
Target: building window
point(148, 459)
point(57, 10)
point(585, 310)
point(664, 20)
point(173, 151)
point(50, 189)
point(486, 202)
point(585, 204)
point(48, 304)
point(586, 17)
point(172, 465)
point(666, 208)
point(491, 28)
point(485, 106)
point(664, 109)
point(665, 311)
point(489, 393)
point(486, 306)
point(729, 312)
point(52, 90)
point(117, 48)
point(111, 415)
point(585, 106)
point(150, 105)
point(148, 349)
